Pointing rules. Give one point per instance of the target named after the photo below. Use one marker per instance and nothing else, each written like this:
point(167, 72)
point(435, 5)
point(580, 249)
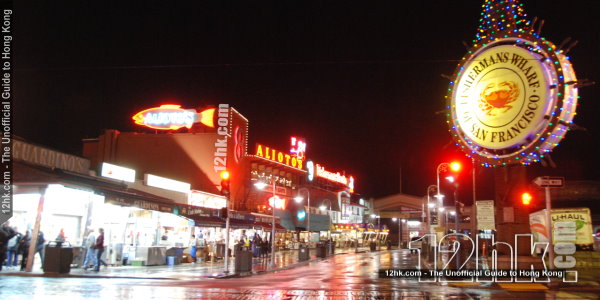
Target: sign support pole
point(227, 237)
point(549, 229)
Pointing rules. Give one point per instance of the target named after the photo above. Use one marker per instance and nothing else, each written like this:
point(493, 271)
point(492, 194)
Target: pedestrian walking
point(13, 249)
point(256, 244)
point(39, 247)
point(192, 245)
point(99, 246)
point(24, 249)
point(90, 254)
point(6, 233)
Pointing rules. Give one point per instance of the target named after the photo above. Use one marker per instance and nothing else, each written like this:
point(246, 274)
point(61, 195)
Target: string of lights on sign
point(514, 94)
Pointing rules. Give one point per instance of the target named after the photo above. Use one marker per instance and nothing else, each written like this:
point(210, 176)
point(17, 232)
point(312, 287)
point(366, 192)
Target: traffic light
point(526, 198)
point(455, 166)
point(225, 182)
point(224, 212)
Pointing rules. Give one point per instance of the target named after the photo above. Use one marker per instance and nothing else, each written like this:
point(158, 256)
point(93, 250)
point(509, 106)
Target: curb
point(220, 276)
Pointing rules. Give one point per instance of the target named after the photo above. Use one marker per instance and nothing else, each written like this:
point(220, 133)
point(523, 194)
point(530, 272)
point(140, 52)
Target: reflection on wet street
point(349, 276)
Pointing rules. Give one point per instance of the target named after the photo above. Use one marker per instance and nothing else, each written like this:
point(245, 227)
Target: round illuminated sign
point(512, 101)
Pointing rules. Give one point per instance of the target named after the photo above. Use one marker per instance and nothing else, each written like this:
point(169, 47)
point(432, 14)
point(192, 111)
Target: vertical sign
point(6, 202)
point(485, 215)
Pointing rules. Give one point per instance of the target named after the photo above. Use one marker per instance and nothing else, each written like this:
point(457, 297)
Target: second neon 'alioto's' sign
point(173, 117)
point(279, 156)
point(514, 94)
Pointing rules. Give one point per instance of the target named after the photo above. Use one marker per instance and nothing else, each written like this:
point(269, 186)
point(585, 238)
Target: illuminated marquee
point(514, 95)
point(279, 202)
point(173, 117)
point(278, 156)
point(336, 177)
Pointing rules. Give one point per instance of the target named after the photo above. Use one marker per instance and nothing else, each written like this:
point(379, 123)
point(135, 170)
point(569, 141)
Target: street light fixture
point(261, 185)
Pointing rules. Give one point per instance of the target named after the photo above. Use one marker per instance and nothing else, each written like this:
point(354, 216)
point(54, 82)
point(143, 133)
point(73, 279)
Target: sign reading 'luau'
point(514, 94)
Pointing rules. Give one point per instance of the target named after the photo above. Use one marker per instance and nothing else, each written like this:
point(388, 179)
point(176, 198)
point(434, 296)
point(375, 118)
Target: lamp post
point(429, 206)
point(260, 186)
point(400, 221)
point(441, 167)
point(323, 207)
point(299, 199)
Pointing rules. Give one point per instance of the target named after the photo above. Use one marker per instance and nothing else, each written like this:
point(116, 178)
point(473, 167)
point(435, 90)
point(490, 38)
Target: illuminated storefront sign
point(278, 156)
point(298, 147)
point(173, 117)
point(166, 183)
point(279, 202)
point(335, 177)
point(117, 172)
point(198, 198)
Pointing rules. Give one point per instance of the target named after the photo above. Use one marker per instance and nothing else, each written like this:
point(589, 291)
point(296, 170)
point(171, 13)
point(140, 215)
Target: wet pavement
point(344, 276)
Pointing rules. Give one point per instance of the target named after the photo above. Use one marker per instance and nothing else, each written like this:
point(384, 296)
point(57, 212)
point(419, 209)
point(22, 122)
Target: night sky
point(361, 81)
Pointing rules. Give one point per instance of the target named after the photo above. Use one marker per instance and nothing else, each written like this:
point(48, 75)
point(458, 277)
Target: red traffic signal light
point(455, 166)
point(526, 198)
point(225, 175)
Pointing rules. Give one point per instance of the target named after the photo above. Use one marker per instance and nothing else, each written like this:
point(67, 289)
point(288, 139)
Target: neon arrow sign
point(173, 117)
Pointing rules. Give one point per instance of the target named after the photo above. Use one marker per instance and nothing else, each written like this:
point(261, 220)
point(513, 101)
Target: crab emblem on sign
point(495, 97)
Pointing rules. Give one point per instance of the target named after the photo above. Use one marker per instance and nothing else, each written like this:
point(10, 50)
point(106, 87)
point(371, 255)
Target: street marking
point(523, 286)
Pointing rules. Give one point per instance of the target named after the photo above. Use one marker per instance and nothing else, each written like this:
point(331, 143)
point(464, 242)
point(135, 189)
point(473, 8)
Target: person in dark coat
point(39, 247)
point(99, 250)
point(24, 249)
point(6, 233)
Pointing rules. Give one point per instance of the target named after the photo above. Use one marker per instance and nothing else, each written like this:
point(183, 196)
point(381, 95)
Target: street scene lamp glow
point(322, 207)
point(452, 213)
point(526, 198)
point(298, 199)
point(441, 209)
point(455, 166)
point(224, 175)
point(394, 219)
point(450, 179)
point(431, 205)
point(260, 185)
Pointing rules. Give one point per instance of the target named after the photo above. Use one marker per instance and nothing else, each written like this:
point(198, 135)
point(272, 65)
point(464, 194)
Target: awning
point(317, 223)
point(114, 192)
point(202, 216)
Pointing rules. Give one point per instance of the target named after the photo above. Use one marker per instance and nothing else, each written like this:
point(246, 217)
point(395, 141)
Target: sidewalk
point(284, 259)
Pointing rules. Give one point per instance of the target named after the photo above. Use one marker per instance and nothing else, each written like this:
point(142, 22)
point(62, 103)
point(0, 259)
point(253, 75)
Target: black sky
point(359, 80)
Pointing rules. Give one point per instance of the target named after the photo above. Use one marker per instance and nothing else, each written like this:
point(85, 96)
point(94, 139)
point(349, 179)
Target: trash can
point(303, 253)
point(170, 261)
point(373, 246)
point(58, 257)
point(220, 253)
point(321, 250)
point(243, 259)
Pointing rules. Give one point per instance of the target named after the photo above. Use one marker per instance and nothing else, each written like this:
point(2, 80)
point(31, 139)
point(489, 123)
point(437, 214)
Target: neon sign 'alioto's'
point(173, 117)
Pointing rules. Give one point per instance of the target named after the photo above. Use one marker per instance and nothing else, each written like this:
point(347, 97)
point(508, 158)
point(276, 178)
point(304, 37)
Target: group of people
point(260, 246)
point(94, 247)
point(14, 244)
